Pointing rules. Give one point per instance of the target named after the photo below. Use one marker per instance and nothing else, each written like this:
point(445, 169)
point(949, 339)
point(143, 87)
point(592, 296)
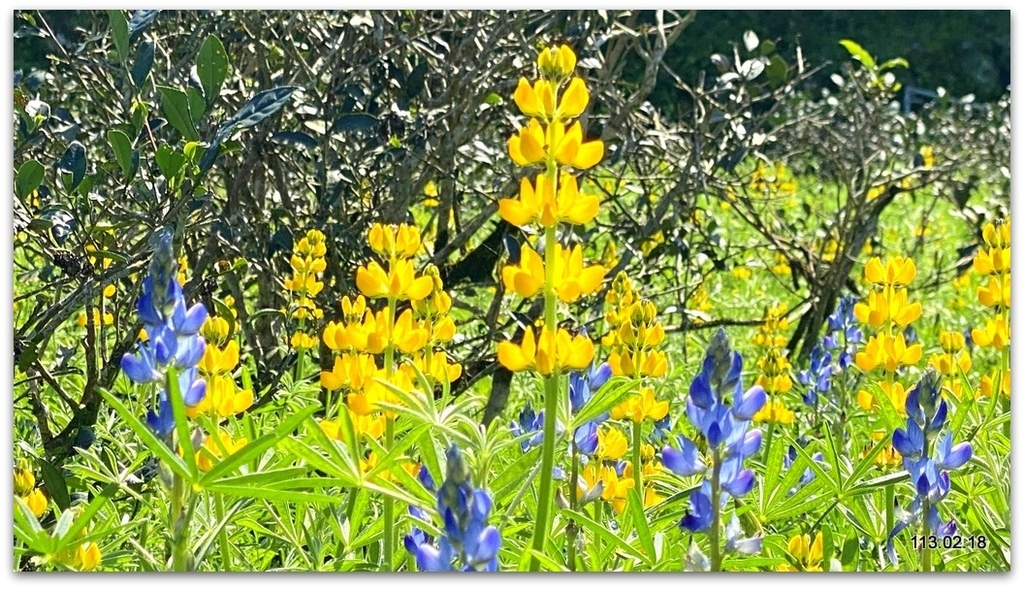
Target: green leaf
point(174, 105)
point(882, 481)
point(643, 531)
point(254, 448)
point(155, 445)
point(30, 176)
point(83, 519)
point(170, 161)
point(857, 52)
point(28, 530)
point(888, 411)
point(122, 147)
point(212, 67)
point(177, 399)
point(196, 104)
point(608, 536)
point(55, 484)
point(273, 494)
point(608, 396)
point(119, 30)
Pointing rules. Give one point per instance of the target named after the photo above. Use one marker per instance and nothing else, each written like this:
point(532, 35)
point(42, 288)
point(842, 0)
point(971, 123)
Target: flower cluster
point(954, 359)
point(362, 334)
point(926, 415)
point(173, 347)
point(889, 311)
point(805, 554)
point(25, 489)
point(992, 262)
point(223, 396)
point(634, 333)
point(774, 366)
point(307, 264)
point(552, 140)
point(466, 538)
point(721, 411)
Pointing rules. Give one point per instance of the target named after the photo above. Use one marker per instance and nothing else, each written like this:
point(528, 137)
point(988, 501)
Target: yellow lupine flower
point(223, 397)
point(807, 554)
point(82, 320)
point(109, 290)
point(536, 101)
point(611, 443)
point(527, 278)
point(210, 453)
point(215, 330)
point(996, 292)
point(552, 353)
point(641, 406)
point(400, 283)
point(895, 392)
point(538, 203)
point(368, 425)
point(774, 411)
point(992, 261)
point(394, 242)
point(997, 237)
point(352, 371)
point(37, 502)
point(988, 385)
point(556, 62)
point(996, 333)
point(527, 148)
point(897, 272)
point(408, 335)
point(218, 361)
point(302, 341)
point(24, 480)
point(653, 363)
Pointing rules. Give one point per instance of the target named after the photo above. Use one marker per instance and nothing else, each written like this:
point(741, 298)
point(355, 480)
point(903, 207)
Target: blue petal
point(138, 368)
point(700, 516)
point(586, 438)
point(750, 403)
point(957, 456)
point(741, 484)
point(684, 462)
point(486, 547)
point(700, 391)
point(751, 443)
point(599, 376)
point(429, 559)
point(193, 320)
point(195, 393)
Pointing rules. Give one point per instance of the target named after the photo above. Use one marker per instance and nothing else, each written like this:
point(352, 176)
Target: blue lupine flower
point(818, 376)
point(721, 411)
point(582, 386)
point(926, 416)
point(529, 422)
point(662, 427)
point(844, 332)
point(173, 337)
point(466, 535)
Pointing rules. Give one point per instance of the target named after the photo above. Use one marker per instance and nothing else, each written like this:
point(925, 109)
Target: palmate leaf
point(256, 447)
point(155, 445)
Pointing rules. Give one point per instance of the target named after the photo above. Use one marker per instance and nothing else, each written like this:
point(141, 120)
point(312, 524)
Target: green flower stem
point(389, 439)
point(544, 498)
point(571, 529)
point(890, 506)
point(637, 478)
point(225, 545)
point(179, 526)
point(716, 516)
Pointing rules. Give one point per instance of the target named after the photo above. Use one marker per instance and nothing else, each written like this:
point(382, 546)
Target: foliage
point(274, 271)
